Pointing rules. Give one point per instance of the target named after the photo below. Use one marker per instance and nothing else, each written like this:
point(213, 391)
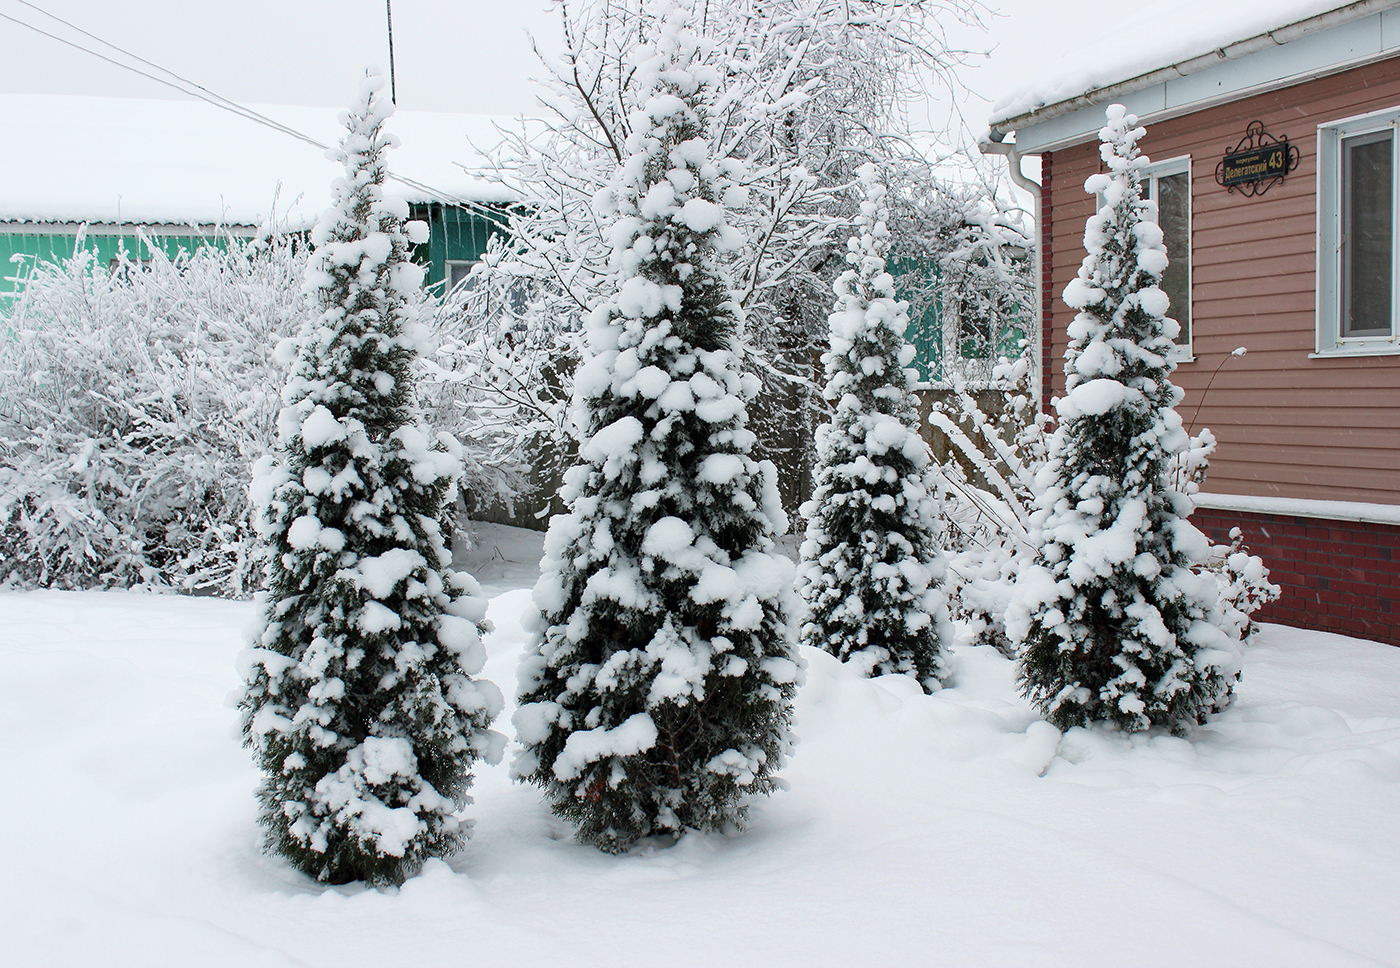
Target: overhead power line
point(192, 89)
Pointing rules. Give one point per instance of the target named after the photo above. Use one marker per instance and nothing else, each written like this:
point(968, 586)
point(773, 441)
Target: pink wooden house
point(1274, 136)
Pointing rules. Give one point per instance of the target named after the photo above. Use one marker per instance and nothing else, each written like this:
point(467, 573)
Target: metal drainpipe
point(1018, 177)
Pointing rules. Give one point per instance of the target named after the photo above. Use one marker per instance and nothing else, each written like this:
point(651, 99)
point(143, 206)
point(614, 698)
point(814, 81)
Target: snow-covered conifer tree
point(1116, 624)
point(871, 562)
point(360, 703)
point(657, 693)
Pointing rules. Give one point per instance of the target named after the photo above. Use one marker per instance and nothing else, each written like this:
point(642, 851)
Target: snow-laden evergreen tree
point(360, 704)
point(1117, 625)
point(872, 564)
point(657, 693)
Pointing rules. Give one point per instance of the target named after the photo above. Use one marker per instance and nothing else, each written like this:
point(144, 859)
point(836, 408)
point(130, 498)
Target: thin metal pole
point(389, 15)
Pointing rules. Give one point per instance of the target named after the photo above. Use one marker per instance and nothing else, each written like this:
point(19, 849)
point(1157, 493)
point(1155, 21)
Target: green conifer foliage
point(1117, 624)
point(360, 704)
point(657, 693)
point(871, 562)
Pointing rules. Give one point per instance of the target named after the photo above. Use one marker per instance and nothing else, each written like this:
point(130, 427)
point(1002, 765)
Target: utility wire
point(218, 101)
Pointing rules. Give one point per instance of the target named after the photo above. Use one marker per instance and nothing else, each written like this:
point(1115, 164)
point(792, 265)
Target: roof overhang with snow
point(1172, 58)
point(125, 161)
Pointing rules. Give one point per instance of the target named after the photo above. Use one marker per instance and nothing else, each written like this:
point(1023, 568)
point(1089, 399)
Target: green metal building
point(135, 176)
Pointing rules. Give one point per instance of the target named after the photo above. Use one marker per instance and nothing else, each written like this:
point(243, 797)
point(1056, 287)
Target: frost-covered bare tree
point(811, 90)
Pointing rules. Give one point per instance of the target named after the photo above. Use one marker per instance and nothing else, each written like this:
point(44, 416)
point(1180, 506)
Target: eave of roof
point(1003, 123)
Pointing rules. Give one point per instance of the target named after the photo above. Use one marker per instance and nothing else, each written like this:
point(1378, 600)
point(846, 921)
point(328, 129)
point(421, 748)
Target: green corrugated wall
point(19, 251)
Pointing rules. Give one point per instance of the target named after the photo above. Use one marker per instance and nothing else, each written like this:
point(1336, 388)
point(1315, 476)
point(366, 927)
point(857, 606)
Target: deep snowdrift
point(919, 830)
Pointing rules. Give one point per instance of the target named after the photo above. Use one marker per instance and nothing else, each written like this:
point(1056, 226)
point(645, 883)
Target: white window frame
point(1330, 341)
point(449, 265)
point(1180, 165)
point(1182, 353)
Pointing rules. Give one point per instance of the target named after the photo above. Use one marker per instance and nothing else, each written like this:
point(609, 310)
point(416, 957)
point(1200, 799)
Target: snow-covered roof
point(100, 159)
point(1163, 39)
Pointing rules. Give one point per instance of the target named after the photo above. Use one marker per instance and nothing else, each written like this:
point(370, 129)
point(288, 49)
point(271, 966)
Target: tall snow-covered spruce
point(871, 562)
point(657, 693)
point(1117, 625)
point(360, 703)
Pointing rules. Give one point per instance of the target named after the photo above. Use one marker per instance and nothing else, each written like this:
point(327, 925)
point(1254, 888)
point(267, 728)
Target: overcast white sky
point(468, 56)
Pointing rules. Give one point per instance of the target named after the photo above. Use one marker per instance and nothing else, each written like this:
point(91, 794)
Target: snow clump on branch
point(360, 705)
point(657, 693)
point(1118, 624)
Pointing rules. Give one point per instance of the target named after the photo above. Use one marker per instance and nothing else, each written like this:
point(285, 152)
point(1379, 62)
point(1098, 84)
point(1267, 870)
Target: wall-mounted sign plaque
point(1259, 162)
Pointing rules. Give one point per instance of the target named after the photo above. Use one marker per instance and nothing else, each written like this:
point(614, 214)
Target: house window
point(1168, 183)
point(457, 272)
point(1357, 213)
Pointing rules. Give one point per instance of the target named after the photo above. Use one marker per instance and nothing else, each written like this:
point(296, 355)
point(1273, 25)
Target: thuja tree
point(360, 703)
point(1116, 624)
point(656, 695)
point(871, 562)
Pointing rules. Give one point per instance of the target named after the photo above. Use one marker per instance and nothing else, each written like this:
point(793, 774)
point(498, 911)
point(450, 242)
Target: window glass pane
point(1368, 261)
point(1174, 216)
point(457, 273)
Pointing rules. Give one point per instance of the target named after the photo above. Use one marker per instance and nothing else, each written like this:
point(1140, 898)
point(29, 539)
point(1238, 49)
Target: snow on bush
point(360, 703)
point(872, 566)
point(990, 502)
point(1116, 622)
point(656, 694)
point(989, 482)
point(1243, 578)
point(132, 403)
point(812, 89)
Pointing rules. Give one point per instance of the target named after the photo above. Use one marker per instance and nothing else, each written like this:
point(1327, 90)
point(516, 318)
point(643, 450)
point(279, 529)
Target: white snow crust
point(1157, 34)
point(954, 829)
point(107, 159)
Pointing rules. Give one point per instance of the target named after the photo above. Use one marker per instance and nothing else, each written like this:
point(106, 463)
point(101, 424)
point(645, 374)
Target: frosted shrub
point(1118, 625)
point(134, 402)
point(1242, 578)
point(131, 405)
point(656, 693)
point(360, 704)
point(989, 501)
point(495, 379)
point(872, 565)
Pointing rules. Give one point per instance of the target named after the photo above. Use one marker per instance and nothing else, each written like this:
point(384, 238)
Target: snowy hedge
point(134, 400)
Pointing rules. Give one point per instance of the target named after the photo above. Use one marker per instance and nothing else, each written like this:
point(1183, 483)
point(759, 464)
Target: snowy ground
point(949, 830)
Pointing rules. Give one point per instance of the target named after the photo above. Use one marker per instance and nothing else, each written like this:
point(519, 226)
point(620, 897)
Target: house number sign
point(1259, 162)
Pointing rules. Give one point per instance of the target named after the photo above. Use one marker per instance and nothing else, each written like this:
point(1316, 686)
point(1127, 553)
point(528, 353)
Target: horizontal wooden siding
point(1288, 425)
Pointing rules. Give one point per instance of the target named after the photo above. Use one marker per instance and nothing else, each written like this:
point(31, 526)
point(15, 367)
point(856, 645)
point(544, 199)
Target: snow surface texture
point(657, 693)
point(1156, 35)
point(917, 830)
point(1115, 621)
point(871, 566)
point(360, 704)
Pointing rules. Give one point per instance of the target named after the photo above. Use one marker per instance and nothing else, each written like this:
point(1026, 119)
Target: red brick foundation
point(1337, 576)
